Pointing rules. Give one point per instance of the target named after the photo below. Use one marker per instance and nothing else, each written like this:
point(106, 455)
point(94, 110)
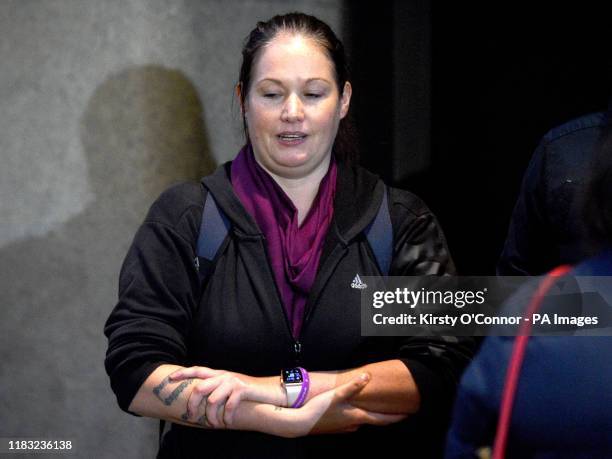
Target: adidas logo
point(357, 283)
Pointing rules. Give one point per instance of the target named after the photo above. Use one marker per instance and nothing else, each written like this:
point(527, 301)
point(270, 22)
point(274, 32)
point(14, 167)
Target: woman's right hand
point(332, 412)
point(217, 394)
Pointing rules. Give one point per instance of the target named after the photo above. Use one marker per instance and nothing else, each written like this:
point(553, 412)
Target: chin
point(291, 162)
point(293, 159)
point(293, 169)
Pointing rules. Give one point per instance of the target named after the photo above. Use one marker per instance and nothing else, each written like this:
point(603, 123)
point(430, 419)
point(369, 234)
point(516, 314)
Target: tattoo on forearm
point(278, 408)
point(169, 400)
point(157, 389)
point(176, 392)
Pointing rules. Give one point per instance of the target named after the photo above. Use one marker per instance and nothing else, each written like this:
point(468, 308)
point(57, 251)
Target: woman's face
point(293, 107)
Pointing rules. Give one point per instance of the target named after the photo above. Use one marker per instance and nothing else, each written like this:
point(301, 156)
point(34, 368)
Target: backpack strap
point(215, 226)
point(516, 361)
point(379, 234)
point(213, 231)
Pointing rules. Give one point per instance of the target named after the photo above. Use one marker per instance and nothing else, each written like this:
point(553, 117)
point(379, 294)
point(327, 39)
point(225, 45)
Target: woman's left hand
point(333, 412)
point(222, 391)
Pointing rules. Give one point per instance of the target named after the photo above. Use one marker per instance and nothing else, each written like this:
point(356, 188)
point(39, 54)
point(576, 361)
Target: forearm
point(390, 390)
point(329, 409)
point(161, 398)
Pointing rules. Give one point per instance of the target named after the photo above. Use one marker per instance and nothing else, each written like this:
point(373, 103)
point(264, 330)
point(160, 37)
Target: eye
point(271, 95)
point(313, 95)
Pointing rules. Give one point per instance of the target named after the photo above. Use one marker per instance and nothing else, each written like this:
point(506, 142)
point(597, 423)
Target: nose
point(293, 110)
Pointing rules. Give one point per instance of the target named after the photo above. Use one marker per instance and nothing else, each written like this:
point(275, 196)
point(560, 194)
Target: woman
point(207, 357)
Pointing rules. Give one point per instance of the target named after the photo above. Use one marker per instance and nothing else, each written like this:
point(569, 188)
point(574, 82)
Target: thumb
point(352, 387)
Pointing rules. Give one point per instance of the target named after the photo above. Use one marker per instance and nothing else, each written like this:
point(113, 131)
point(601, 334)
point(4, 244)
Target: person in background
point(547, 228)
point(563, 403)
point(283, 294)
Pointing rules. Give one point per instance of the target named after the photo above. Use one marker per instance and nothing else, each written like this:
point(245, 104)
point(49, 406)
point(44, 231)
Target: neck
point(303, 190)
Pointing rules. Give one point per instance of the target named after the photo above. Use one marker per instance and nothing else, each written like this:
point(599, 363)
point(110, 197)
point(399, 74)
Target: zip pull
point(297, 349)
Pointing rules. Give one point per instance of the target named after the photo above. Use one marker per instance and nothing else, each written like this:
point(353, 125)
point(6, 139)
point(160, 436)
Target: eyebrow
point(279, 82)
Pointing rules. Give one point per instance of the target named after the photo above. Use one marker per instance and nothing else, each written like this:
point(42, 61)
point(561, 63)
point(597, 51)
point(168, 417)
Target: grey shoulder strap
point(380, 236)
point(213, 231)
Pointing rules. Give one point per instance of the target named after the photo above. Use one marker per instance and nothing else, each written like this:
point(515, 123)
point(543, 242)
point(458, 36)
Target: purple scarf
point(294, 252)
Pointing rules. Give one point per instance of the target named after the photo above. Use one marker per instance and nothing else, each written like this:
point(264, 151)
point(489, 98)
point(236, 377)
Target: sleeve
point(436, 363)
point(527, 250)
point(158, 291)
point(420, 246)
point(475, 412)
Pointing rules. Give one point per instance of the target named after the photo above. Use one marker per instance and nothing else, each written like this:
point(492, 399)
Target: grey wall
point(103, 104)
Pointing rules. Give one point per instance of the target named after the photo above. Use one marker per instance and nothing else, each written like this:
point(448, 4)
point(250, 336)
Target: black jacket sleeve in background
point(158, 287)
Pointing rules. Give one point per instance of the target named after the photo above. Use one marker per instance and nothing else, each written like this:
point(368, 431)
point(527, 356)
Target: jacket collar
point(358, 197)
point(220, 186)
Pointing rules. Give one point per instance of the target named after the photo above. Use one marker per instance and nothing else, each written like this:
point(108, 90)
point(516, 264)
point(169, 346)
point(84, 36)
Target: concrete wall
point(103, 104)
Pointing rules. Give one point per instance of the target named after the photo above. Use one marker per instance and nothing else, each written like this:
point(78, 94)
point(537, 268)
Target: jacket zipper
point(297, 345)
point(297, 350)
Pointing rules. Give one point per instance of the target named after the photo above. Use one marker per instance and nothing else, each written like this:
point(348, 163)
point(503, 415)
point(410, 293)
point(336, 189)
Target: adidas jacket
point(236, 321)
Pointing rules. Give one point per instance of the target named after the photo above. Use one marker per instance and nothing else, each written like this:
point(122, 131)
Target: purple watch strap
point(301, 398)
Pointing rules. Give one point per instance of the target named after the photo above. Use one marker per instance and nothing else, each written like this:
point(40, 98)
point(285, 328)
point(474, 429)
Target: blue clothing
point(546, 229)
point(563, 404)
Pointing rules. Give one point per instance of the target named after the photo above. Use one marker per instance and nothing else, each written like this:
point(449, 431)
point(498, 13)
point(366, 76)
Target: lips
point(291, 138)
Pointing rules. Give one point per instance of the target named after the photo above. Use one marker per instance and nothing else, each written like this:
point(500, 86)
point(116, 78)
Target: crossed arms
point(379, 394)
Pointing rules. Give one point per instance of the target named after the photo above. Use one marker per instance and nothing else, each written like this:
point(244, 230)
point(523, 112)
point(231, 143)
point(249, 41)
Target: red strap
point(516, 361)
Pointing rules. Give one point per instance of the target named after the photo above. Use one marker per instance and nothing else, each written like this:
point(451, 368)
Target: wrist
point(296, 383)
point(267, 390)
point(292, 422)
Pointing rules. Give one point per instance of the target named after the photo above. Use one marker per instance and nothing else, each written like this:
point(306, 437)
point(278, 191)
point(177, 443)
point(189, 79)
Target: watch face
point(292, 376)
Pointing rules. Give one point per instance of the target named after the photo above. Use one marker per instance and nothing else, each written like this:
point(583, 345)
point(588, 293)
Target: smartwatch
point(296, 384)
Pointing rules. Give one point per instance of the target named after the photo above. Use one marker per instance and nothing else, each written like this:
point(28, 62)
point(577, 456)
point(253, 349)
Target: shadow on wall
point(141, 131)
point(144, 128)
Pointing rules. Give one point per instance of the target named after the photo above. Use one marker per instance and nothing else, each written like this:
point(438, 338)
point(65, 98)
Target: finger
point(200, 414)
point(194, 372)
point(350, 429)
point(230, 407)
point(199, 392)
point(215, 401)
point(362, 416)
point(203, 421)
point(382, 419)
point(220, 412)
point(206, 388)
point(352, 387)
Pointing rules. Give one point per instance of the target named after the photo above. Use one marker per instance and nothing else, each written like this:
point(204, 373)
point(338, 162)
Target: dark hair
point(345, 145)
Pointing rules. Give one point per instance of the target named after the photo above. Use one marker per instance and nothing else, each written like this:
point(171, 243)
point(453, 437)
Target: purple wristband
point(301, 398)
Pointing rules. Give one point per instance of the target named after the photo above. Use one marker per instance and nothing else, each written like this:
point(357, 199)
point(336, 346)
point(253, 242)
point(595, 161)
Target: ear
point(239, 97)
point(345, 99)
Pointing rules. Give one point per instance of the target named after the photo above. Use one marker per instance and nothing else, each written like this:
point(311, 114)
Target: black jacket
point(236, 321)
point(547, 228)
